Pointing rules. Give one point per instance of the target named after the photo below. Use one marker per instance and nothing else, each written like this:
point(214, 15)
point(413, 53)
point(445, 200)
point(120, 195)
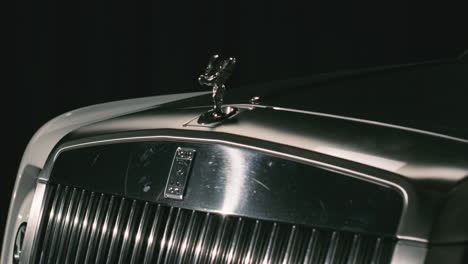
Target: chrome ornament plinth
point(216, 73)
point(213, 116)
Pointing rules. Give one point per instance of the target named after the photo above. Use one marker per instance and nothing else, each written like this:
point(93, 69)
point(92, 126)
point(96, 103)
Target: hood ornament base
point(216, 73)
point(213, 116)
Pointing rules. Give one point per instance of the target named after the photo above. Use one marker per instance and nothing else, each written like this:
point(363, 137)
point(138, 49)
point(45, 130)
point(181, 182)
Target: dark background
point(71, 54)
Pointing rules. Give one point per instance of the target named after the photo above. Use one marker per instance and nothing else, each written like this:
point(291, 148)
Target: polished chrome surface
point(235, 181)
point(145, 232)
point(37, 209)
point(215, 75)
point(214, 117)
point(407, 252)
point(179, 173)
point(19, 239)
point(408, 229)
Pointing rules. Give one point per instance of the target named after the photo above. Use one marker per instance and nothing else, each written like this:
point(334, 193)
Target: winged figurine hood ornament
point(216, 74)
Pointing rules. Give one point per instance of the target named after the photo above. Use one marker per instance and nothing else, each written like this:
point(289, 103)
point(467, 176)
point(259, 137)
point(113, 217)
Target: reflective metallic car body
point(413, 159)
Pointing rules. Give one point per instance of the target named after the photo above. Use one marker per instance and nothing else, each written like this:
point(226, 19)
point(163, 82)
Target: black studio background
point(71, 54)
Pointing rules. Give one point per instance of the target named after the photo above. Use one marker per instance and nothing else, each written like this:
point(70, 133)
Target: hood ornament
point(216, 73)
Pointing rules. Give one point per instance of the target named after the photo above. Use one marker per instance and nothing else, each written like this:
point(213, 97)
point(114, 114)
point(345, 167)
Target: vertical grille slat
point(63, 240)
point(331, 253)
point(377, 251)
point(179, 230)
point(189, 238)
point(128, 236)
point(233, 251)
point(250, 254)
point(57, 225)
point(49, 218)
point(220, 238)
point(290, 245)
point(153, 235)
point(95, 228)
point(202, 238)
point(116, 231)
point(103, 240)
point(366, 250)
point(85, 227)
point(354, 249)
point(311, 247)
point(139, 240)
point(271, 244)
point(75, 227)
point(164, 240)
point(79, 226)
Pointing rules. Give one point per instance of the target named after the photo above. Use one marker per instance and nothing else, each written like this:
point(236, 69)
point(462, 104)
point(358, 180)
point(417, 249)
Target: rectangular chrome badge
point(179, 173)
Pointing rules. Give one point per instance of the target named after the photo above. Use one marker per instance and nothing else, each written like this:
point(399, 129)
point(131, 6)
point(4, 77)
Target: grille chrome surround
point(82, 227)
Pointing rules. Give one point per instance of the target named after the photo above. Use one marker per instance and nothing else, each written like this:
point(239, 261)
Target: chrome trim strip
point(32, 229)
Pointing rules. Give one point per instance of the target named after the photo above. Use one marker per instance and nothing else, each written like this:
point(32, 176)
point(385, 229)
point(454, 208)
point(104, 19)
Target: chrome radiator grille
point(79, 226)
